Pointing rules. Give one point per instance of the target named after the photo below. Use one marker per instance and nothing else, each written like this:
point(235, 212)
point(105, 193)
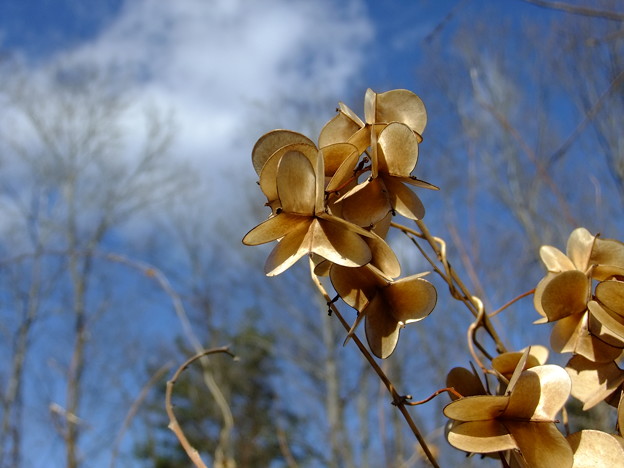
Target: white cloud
point(229, 70)
point(214, 61)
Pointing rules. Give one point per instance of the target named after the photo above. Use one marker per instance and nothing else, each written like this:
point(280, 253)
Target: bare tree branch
point(578, 10)
point(173, 422)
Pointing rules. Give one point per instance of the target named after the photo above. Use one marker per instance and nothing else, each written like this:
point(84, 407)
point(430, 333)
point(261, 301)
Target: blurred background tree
point(262, 430)
point(69, 183)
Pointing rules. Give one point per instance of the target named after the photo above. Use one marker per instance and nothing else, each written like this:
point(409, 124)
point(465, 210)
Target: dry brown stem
point(435, 394)
point(398, 400)
point(457, 287)
point(513, 301)
point(223, 452)
point(192, 453)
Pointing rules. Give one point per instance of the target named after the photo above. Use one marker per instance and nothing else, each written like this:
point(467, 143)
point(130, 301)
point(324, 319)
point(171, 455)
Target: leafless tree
point(79, 160)
point(535, 109)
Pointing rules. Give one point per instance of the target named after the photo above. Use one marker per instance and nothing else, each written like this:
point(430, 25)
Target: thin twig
point(472, 331)
point(442, 390)
point(503, 460)
point(412, 235)
point(446, 276)
point(356, 174)
point(457, 287)
point(459, 284)
point(223, 449)
point(397, 399)
point(513, 301)
point(150, 271)
point(578, 10)
point(192, 453)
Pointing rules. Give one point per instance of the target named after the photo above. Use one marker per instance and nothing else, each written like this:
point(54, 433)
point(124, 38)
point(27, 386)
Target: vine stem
point(435, 394)
point(457, 287)
point(398, 400)
point(513, 301)
point(191, 451)
point(223, 451)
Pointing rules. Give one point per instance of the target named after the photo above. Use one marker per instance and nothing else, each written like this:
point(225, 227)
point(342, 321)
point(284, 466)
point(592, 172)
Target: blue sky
point(211, 61)
point(221, 67)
